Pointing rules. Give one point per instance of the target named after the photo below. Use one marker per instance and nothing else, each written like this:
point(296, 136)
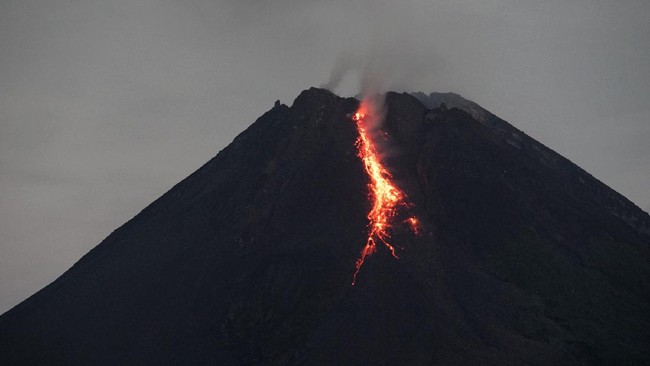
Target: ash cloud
point(381, 64)
point(342, 67)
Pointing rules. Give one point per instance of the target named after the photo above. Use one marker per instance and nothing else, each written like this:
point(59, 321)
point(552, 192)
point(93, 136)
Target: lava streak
point(385, 195)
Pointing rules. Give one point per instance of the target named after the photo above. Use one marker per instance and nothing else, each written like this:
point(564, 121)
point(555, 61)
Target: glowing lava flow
point(385, 195)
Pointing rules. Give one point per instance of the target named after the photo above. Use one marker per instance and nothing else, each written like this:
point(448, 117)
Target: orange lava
point(385, 195)
point(414, 223)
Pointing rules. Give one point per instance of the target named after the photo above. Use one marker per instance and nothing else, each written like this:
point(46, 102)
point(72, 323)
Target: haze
point(105, 105)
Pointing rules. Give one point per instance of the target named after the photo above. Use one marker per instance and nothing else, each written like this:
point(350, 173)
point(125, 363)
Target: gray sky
point(106, 104)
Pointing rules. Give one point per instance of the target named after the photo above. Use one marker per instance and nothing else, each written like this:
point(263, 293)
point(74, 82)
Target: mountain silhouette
point(522, 258)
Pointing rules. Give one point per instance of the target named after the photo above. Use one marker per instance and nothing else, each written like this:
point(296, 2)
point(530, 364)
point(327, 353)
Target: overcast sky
point(106, 104)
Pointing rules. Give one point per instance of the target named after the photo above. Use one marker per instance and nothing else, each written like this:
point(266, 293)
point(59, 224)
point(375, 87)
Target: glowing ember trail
point(385, 195)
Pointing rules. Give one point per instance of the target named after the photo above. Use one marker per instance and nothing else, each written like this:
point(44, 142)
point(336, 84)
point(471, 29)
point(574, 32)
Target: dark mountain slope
point(616, 203)
point(523, 259)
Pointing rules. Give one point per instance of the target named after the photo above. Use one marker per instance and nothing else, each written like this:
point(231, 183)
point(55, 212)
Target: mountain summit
point(521, 257)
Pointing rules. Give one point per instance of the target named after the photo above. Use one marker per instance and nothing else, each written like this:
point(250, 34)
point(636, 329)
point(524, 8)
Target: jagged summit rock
point(524, 258)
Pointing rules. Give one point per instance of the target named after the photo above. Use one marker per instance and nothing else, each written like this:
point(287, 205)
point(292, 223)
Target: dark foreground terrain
point(523, 259)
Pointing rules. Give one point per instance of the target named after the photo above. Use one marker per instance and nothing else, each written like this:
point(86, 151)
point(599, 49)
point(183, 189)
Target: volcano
point(521, 257)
